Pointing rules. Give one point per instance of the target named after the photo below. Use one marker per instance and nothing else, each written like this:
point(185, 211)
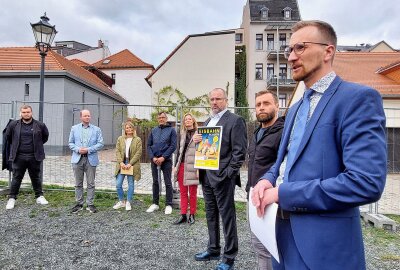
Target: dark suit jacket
point(340, 165)
point(233, 150)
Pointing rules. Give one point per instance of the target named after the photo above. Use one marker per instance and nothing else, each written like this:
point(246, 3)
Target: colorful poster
point(208, 150)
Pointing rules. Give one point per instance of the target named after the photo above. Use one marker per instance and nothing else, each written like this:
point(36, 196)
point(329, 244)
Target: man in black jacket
point(219, 185)
point(160, 146)
point(26, 137)
point(263, 149)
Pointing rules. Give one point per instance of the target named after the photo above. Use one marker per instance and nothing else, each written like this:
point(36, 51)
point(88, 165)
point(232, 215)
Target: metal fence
point(59, 117)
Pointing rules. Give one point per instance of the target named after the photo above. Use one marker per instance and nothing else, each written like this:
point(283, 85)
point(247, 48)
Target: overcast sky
point(151, 29)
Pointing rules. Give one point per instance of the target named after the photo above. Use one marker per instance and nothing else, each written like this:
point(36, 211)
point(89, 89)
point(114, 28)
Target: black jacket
point(6, 149)
point(262, 155)
point(40, 136)
point(233, 150)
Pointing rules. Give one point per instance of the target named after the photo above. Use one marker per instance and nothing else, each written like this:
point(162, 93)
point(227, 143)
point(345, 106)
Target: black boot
point(181, 219)
point(191, 219)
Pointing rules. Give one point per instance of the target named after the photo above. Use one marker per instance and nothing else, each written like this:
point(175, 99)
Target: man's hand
point(270, 196)
point(155, 160)
point(263, 196)
point(160, 160)
point(197, 138)
point(122, 165)
point(83, 150)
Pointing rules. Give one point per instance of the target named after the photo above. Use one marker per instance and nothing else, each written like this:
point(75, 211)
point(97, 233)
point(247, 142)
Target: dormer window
point(264, 13)
point(287, 13)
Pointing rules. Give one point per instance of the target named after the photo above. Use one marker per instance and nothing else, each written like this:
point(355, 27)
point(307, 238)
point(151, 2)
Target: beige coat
point(190, 175)
point(135, 153)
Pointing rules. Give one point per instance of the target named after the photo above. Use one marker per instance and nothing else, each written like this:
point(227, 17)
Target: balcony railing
point(282, 81)
point(271, 53)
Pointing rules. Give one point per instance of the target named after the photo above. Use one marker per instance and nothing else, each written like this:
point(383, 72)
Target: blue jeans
point(120, 190)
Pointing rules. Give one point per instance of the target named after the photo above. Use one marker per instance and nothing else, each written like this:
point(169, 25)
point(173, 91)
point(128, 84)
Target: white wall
point(91, 56)
point(131, 85)
point(201, 64)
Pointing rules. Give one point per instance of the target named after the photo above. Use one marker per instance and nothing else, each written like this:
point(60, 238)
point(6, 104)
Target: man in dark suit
point(332, 157)
point(219, 185)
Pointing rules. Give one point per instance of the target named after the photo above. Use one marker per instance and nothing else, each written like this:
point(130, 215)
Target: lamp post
point(44, 35)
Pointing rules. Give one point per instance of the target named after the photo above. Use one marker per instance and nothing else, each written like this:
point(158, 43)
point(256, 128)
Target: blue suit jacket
point(340, 165)
point(95, 143)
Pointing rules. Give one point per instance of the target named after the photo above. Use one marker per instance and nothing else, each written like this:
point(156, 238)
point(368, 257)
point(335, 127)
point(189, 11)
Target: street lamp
point(44, 35)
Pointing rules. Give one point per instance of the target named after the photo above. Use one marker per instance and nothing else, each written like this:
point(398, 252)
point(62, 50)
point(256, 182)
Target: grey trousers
point(264, 261)
point(81, 168)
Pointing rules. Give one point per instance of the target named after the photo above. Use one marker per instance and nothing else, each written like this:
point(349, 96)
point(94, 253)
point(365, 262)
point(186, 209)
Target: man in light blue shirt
point(85, 140)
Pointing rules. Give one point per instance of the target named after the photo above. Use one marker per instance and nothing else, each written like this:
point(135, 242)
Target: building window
point(26, 90)
point(270, 42)
point(264, 13)
point(113, 76)
point(83, 97)
point(282, 100)
point(259, 71)
point(283, 72)
point(270, 71)
point(282, 41)
point(287, 13)
point(239, 38)
point(259, 41)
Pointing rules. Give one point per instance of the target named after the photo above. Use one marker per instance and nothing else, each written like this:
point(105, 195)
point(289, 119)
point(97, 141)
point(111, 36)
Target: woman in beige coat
point(187, 175)
point(128, 152)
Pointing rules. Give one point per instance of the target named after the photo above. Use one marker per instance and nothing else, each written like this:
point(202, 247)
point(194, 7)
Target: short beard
point(27, 120)
point(265, 119)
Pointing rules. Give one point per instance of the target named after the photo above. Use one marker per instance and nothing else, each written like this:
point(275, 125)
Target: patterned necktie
point(298, 131)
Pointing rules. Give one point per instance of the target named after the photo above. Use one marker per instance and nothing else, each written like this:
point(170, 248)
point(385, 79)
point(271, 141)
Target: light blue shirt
point(319, 88)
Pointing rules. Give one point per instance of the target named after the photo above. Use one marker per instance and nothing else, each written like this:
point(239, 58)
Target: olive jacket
point(135, 153)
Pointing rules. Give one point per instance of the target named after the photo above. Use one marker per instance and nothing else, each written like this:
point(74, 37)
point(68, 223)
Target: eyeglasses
point(217, 99)
point(299, 48)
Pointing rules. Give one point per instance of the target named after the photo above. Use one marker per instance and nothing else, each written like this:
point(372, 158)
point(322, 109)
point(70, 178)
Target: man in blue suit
point(332, 158)
point(85, 140)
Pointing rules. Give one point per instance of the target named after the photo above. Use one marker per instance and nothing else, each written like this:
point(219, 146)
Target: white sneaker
point(168, 210)
point(152, 208)
point(41, 200)
point(10, 204)
point(128, 206)
point(119, 205)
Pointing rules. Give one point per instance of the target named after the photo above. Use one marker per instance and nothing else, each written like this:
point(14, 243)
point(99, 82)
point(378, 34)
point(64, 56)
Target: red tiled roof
point(122, 60)
point(28, 59)
point(362, 68)
point(79, 62)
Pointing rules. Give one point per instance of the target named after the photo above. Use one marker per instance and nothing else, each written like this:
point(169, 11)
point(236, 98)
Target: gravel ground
point(45, 237)
point(48, 237)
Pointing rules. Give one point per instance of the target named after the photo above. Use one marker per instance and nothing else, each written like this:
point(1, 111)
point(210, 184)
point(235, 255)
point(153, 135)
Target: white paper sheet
point(264, 227)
